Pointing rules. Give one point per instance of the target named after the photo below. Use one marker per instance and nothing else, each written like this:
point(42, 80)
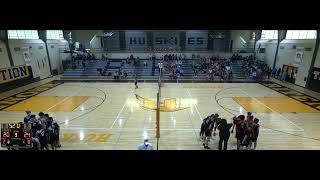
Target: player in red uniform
point(249, 114)
point(247, 140)
point(240, 125)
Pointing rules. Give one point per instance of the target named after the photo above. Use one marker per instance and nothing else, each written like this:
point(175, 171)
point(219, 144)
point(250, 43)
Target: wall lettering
point(13, 73)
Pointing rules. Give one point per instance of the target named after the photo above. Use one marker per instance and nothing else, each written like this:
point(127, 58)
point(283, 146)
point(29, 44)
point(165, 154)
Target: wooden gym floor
point(107, 116)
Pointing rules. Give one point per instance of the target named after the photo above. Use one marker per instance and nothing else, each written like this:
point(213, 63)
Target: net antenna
point(158, 104)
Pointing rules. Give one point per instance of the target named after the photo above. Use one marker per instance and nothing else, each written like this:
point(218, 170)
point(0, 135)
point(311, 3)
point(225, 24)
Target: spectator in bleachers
point(115, 75)
point(284, 75)
point(274, 71)
point(295, 76)
point(278, 73)
point(83, 65)
point(269, 72)
point(125, 74)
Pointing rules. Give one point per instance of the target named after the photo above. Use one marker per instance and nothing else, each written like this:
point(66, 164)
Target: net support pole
point(158, 120)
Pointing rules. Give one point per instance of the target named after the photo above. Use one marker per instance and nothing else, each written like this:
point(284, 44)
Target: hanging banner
point(196, 40)
point(26, 55)
point(136, 40)
point(166, 39)
point(298, 57)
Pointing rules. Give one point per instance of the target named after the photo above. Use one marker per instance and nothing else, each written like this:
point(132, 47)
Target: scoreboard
point(16, 135)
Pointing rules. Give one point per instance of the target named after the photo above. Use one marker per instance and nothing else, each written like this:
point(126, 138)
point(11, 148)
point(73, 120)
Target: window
point(23, 34)
point(269, 34)
point(54, 34)
point(298, 34)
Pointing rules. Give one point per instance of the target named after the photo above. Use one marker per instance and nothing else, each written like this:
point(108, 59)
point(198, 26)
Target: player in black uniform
point(56, 133)
point(42, 136)
point(51, 134)
point(42, 119)
point(28, 117)
point(208, 132)
point(255, 129)
point(224, 133)
point(34, 123)
point(202, 129)
point(35, 144)
point(217, 122)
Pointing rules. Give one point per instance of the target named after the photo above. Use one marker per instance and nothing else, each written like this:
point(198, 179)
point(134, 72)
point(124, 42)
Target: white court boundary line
point(300, 129)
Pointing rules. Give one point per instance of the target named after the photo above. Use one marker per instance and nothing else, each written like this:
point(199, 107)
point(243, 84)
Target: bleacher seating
point(150, 71)
point(236, 69)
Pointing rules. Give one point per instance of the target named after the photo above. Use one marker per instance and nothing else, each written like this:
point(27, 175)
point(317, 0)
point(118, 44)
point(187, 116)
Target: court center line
point(301, 129)
point(189, 117)
point(201, 119)
point(120, 112)
point(194, 129)
point(115, 145)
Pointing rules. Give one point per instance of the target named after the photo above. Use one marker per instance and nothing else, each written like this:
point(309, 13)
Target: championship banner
point(13, 73)
point(298, 57)
point(26, 55)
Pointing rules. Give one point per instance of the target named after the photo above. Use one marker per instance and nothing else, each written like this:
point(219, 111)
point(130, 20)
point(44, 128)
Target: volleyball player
point(247, 140)
point(136, 83)
point(255, 129)
point(240, 125)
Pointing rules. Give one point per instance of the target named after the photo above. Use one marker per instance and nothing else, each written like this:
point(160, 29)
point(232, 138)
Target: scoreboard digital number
point(16, 135)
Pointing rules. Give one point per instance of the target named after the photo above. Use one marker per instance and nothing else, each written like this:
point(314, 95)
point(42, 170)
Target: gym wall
point(39, 60)
point(317, 61)
point(286, 55)
point(38, 55)
point(4, 59)
point(56, 53)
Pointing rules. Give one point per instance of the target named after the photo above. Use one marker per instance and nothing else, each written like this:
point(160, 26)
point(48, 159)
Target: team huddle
point(247, 131)
point(45, 131)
